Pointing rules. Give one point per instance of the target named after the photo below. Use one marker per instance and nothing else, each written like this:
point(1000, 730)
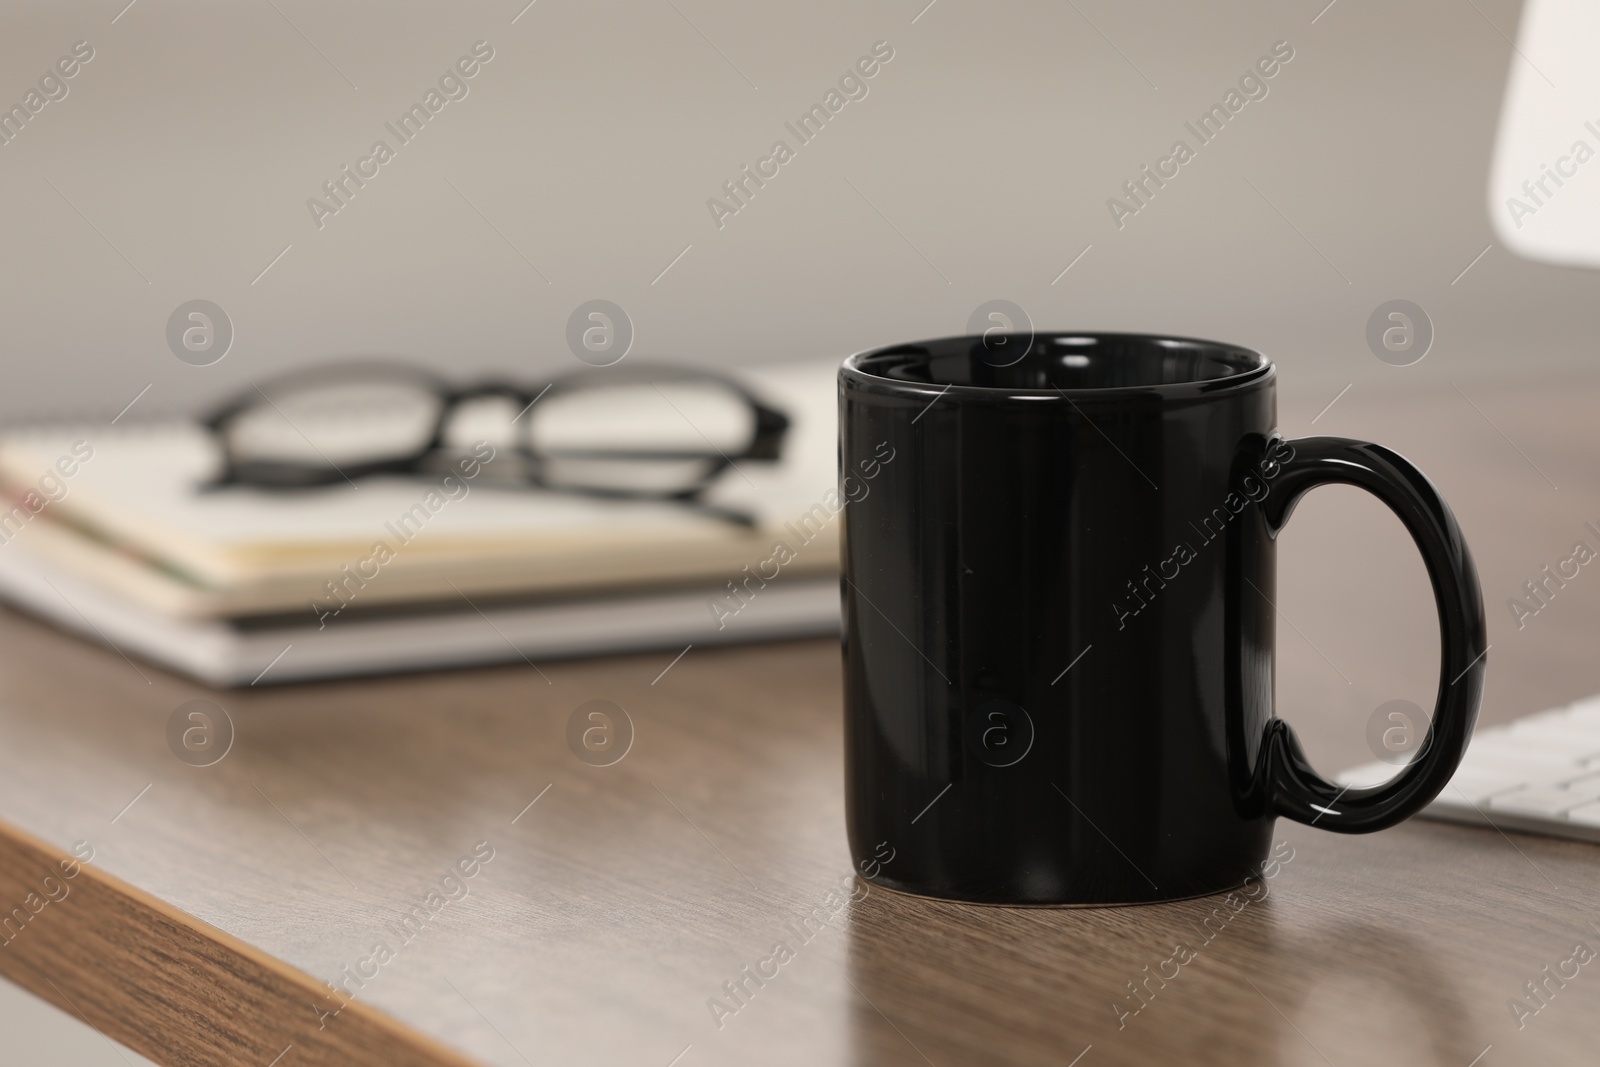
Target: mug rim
point(1263, 371)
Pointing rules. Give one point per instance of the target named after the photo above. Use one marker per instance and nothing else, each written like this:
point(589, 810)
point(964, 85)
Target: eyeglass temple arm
point(771, 426)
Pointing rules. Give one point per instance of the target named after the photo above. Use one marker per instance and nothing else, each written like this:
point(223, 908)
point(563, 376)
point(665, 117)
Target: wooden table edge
point(170, 986)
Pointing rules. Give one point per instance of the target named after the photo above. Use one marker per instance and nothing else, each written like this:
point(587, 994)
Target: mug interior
point(1065, 361)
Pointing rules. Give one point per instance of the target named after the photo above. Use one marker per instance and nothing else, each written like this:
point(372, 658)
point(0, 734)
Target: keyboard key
point(1588, 788)
point(1451, 804)
point(1537, 742)
point(1478, 786)
point(1539, 725)
point(1540, 773)
point(1583, 781)
point(1554, 715)
point(1585, 711)
point(1569, 739)
point(1504, 740)
point(1540, 801)
point(1518, 766)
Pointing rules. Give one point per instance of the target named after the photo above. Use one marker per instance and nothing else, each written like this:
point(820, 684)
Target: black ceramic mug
point(1059, 621)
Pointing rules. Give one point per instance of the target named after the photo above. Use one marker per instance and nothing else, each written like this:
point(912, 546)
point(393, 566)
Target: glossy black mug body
point(1059, 624)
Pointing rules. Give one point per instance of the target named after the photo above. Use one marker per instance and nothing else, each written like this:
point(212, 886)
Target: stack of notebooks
point(108, 535)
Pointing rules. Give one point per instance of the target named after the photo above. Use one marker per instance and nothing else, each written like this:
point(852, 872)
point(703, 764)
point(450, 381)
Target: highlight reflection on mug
point(599, 732)
point(1000, 733)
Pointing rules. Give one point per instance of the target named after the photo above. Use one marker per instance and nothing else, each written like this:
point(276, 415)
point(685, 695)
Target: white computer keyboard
point(1540, 774)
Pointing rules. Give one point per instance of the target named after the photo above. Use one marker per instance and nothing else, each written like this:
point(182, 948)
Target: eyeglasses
point(643, 433)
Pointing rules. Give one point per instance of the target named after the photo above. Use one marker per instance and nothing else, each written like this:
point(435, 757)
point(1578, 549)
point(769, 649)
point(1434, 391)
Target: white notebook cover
point(174, 550)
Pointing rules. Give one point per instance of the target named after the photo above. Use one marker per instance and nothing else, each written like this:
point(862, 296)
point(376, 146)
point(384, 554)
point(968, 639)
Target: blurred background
point(579, 163)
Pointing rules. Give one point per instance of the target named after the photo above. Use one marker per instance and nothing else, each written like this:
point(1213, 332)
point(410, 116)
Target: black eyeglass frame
point(765, 444)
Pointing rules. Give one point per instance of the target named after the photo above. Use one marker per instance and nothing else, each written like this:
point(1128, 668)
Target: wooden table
point(620, 899)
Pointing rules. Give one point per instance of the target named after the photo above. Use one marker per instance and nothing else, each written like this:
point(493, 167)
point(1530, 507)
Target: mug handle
point(1295, 790)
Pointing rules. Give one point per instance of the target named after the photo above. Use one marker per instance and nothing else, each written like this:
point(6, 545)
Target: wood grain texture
point(617, 905)
point(154, 978)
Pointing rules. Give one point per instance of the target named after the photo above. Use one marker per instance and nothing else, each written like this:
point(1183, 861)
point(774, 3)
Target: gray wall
point(977, 167)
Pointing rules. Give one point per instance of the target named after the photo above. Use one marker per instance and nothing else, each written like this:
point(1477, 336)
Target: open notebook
point(106, 534)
